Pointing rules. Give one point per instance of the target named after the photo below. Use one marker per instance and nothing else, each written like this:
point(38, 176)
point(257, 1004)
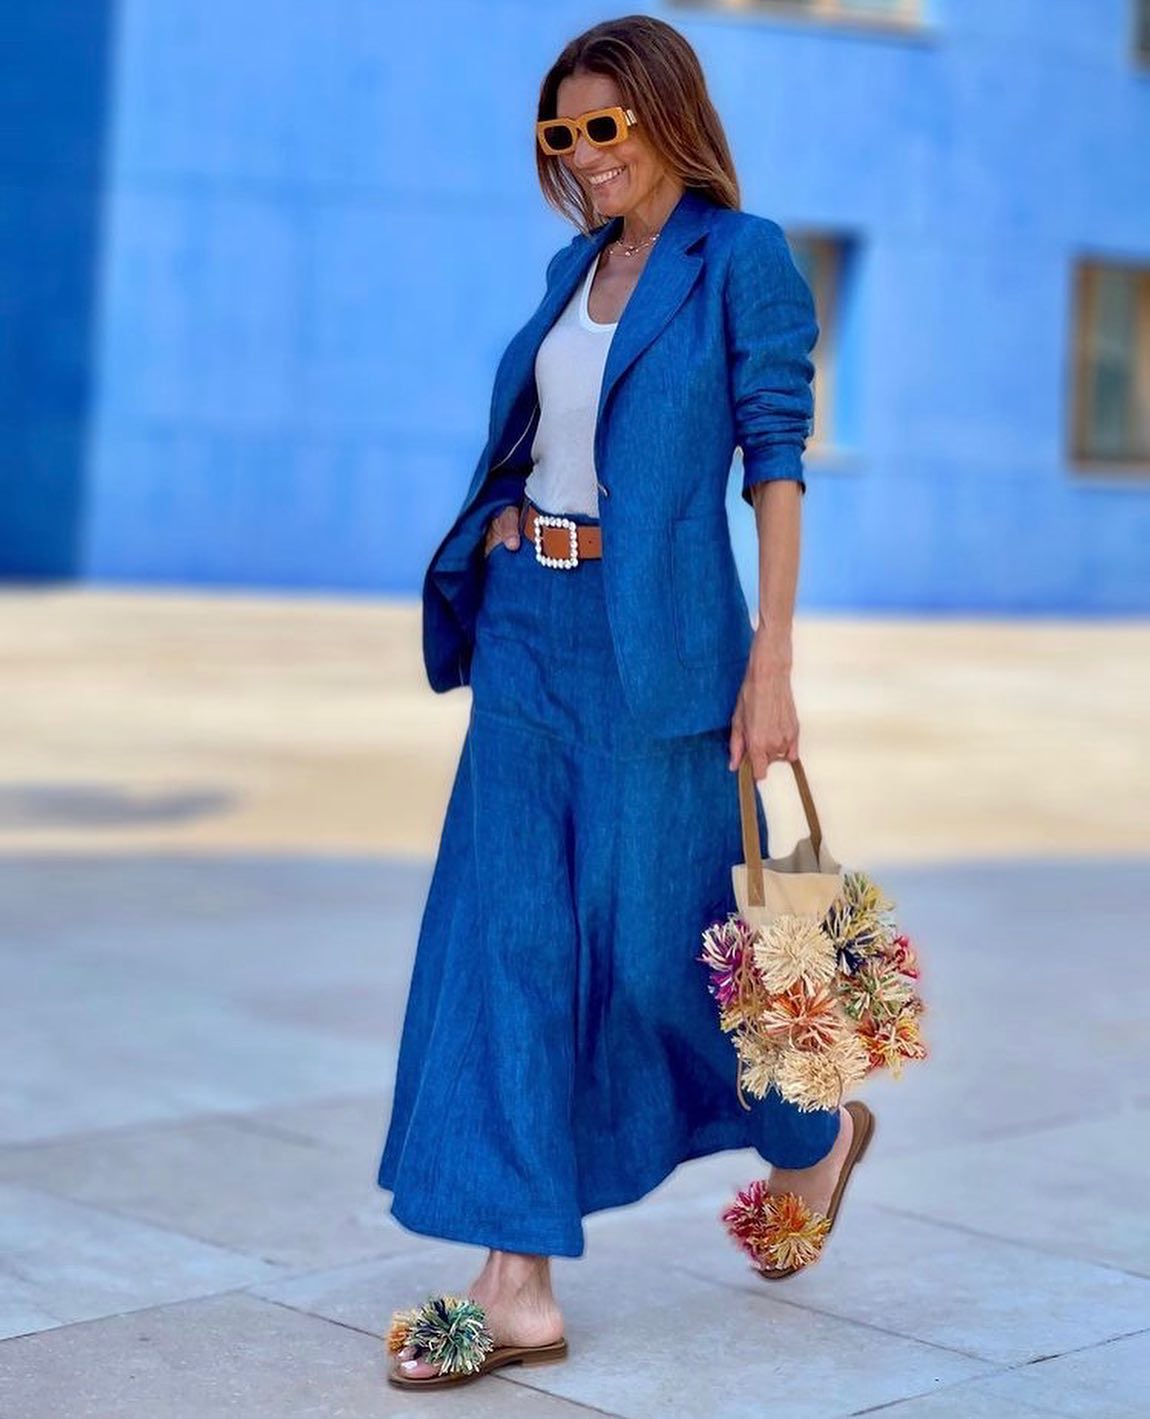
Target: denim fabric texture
point(560, 1050)
point(711, 353)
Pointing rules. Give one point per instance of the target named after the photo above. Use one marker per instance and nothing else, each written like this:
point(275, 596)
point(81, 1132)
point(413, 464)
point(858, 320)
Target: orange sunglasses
point(602, 127)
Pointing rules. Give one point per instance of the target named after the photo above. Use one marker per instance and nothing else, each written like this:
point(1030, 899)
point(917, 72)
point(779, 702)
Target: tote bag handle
point(752, 848)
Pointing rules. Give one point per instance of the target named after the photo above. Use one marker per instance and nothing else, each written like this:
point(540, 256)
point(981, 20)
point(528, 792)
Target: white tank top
point(569, 376)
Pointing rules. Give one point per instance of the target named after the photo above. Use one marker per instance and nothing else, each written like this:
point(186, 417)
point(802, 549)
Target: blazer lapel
point(664, 282)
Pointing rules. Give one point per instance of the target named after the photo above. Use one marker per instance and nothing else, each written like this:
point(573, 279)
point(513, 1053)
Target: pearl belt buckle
point(551, 520)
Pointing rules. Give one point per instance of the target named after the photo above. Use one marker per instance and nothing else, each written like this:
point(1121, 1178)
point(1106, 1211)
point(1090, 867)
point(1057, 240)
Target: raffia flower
point(902, 956)
point(775, 1231)
point(452, 1333)
point(889, 1042)
point(725, 947)
point(865, 897)
point(882, 991)
point(804, 1019)
point(757, 1061)
point(794, 948)
point(400, 1329)
point(858, 922)
point(818, 1079)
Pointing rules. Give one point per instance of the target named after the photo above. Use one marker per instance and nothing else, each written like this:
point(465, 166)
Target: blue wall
point(321, 225)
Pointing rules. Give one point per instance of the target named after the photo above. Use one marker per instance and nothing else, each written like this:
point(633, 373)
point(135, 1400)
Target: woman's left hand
point(765, 724)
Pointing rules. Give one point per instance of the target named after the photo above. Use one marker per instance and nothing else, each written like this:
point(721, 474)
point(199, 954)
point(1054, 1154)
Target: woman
point(560, 1052)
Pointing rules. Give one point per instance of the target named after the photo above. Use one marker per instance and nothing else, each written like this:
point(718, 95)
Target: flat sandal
point(781, 1232)
point(452, 1332)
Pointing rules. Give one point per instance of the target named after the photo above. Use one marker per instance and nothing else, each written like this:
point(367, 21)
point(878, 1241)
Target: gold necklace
point(633, 247)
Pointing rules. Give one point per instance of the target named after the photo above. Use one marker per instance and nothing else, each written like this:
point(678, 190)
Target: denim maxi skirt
point(560, 1050)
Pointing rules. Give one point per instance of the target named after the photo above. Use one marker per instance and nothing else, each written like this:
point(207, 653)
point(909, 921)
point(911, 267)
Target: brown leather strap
point(556, 541)
point(752, 847)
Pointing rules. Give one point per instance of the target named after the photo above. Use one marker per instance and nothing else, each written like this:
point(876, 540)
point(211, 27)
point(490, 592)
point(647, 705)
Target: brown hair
point(658, 75)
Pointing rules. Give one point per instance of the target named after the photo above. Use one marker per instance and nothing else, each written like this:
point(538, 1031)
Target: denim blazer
point(711, 352)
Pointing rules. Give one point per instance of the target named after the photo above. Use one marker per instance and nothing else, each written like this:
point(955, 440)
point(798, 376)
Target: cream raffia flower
point(757, 1060)
point(818, 1079)
point(793, 948)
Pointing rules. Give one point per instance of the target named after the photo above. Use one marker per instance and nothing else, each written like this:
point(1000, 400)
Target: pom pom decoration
point(775, 1231)
point(449, 1331)
point(813, 1006)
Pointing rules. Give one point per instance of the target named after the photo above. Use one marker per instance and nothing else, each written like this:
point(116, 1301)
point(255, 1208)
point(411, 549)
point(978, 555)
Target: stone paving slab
point(244, 1188)
point(93, 1043)
point(1103, 1382)
point(1078, 1190)
point(62, 1262)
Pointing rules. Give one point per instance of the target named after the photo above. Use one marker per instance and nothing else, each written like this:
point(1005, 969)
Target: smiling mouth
point(601, 180)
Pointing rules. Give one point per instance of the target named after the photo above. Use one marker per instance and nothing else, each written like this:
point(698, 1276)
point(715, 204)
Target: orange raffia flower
point(889, 1042)
point(803, 1018)
point(398, 1332)
point(776, 1231)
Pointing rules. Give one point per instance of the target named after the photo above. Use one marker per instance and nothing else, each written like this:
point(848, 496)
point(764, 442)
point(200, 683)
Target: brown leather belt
point(559, 541)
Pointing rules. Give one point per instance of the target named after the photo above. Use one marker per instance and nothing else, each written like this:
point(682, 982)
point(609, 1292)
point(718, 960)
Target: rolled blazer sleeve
point(771, 330)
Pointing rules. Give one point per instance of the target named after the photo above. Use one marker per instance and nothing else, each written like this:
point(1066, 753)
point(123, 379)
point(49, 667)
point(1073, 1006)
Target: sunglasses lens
point(559, 136)
point(603, 129)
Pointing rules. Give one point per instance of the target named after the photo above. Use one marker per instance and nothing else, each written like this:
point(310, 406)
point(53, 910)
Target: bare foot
point(514, 1289)
point(816, 1183)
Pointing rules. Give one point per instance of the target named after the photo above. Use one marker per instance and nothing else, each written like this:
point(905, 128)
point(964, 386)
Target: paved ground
point(216, 834)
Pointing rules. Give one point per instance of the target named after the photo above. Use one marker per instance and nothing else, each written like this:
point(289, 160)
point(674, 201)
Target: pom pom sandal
point(452, 1332)
point(781, 1233)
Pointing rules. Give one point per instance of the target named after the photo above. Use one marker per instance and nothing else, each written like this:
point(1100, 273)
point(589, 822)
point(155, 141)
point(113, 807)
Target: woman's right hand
point(503, 527)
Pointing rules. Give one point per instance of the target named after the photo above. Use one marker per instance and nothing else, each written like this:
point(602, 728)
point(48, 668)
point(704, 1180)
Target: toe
point(412, 1368)
point(418, 1368)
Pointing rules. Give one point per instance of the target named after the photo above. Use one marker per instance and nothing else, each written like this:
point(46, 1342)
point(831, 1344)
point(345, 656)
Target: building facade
point(263, 260)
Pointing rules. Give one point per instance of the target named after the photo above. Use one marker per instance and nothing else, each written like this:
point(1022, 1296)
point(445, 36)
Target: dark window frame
point(1085, 357)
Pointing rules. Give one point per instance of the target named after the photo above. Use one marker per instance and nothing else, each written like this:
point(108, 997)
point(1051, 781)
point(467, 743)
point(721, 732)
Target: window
point(901, 12)
point(827, 264)
point(1112, 364)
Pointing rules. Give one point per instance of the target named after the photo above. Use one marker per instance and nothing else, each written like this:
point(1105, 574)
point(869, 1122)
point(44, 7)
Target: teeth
point(605, 176)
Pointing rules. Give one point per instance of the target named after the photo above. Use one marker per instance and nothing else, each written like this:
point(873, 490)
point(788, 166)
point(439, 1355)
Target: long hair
point(658, 75)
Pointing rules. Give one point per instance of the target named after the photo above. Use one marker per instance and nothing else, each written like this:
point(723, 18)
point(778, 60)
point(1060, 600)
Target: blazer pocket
point(711, 617)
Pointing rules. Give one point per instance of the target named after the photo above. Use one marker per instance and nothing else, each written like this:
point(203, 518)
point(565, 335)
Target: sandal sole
point(501, 1355)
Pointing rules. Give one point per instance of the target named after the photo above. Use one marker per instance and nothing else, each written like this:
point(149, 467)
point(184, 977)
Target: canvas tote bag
point(805, 881)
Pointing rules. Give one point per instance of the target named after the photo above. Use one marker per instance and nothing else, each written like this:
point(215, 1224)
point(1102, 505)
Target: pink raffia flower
point(726, 947)
point(903, 957)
